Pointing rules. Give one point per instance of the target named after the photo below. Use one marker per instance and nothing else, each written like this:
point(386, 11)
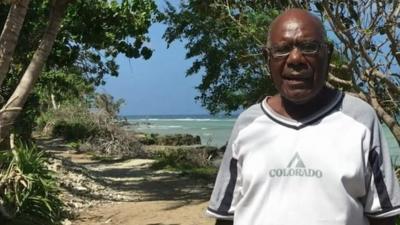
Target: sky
point(157, 86)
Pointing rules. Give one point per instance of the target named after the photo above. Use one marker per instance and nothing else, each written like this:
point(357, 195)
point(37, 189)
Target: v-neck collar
point(298, 124)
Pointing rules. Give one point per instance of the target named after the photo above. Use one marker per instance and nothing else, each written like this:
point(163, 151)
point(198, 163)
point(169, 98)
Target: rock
point(81, 189)
point(66, 222)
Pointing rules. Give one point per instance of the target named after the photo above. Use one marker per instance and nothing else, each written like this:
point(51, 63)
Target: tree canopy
point(92, 35)
point(225, 38)
point(64, 38)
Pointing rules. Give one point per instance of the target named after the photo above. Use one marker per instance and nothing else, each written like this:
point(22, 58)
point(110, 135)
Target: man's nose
point(295, 58)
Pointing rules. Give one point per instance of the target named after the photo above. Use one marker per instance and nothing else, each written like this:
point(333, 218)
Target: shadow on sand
point(133, 178)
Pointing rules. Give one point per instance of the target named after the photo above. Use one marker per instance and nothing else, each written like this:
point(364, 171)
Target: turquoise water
point(213, 131)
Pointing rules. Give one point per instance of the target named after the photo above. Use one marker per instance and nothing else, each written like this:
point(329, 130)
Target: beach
point(213, 130)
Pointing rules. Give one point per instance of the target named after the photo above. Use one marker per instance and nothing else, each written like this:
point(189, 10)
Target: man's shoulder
point(358, 109)
point(248, 116)
point(251, 113)
point(354, 104)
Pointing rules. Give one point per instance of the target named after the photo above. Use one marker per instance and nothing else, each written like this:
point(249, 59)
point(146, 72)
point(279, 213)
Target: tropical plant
point(28, 189)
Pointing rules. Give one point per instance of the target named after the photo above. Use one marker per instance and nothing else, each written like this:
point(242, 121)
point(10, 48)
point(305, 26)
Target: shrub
point(101, 131)
point(73, 130)
point(72, 122)
point(28, 189)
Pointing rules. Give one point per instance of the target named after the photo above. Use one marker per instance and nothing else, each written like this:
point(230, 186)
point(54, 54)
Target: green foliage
point(90, 42)
point(225, 39)
point(71, 121)
point(189, 162)
point(84, 52)
point(108, 28)
point(28, 188)
point(74, 145)
point(78, 120)
point(65, 85)
point(100, 132)
point(73, 130)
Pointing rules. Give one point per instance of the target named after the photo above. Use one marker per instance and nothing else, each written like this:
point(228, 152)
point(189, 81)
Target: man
point(309, 155)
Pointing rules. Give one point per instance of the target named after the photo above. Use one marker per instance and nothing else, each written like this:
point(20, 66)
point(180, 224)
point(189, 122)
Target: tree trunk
point(12, 108)
point(9, 35)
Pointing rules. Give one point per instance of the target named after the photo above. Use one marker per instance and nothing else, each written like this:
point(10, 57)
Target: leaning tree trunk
point(13, 107)
point(9, 35)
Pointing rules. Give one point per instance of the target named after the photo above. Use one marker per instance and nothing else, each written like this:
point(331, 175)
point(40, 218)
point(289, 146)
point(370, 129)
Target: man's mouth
point(297, 81)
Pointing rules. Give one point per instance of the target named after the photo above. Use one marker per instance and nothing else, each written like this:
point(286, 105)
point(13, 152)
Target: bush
point(28, 189)
point(72, 130)
point(99, 130)
point(71, 122)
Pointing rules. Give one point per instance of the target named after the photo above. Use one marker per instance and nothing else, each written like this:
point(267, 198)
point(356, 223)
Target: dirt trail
point(131, 193)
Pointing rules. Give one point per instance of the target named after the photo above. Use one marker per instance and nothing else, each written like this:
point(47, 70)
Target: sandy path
point(145, 196)
point(147, 213)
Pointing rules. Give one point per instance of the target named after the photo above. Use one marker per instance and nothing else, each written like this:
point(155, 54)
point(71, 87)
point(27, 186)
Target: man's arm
point(224, 222)
point(382, 221)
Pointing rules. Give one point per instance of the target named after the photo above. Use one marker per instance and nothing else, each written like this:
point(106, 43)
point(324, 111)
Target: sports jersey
point(331, 168)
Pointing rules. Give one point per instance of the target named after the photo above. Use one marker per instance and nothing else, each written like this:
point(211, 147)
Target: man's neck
point(296, 111)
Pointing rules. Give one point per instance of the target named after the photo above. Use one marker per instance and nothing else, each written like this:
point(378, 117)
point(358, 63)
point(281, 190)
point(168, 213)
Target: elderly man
point(309, 155)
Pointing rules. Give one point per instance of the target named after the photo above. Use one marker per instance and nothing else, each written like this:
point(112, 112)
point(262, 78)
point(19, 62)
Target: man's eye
point(308, 47)
point(284, 49)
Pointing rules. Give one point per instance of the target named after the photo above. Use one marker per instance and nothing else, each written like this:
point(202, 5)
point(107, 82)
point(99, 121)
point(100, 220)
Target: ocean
point(213, 130)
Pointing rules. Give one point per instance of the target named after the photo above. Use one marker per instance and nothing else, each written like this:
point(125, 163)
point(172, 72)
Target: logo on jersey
point(295, 168)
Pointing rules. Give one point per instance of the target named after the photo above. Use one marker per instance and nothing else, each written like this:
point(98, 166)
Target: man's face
point(300, 74)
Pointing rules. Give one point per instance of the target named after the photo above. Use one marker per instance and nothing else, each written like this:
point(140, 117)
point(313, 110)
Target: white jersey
point(332, 168)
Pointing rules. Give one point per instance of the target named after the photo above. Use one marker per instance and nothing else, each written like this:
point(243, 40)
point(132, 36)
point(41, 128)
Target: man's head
point(298, 55)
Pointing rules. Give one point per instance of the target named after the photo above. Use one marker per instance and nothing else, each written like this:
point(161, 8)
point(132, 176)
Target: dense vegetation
point(60, 50)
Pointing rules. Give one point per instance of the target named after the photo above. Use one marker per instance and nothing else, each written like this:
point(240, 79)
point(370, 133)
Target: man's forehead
point(293, 20)
point(292, 24)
